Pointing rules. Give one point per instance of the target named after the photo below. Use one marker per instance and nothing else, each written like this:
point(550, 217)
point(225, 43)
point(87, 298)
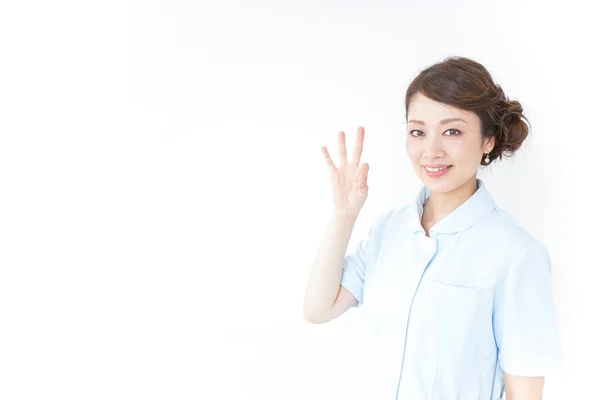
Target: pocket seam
point(457, 286)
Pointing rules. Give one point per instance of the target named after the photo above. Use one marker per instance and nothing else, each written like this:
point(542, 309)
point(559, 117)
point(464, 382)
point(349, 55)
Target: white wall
point(163, 192)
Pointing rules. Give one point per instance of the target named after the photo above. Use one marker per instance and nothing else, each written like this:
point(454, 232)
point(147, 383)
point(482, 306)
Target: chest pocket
point(446, 338)
point(448, 321)
point(447, 326)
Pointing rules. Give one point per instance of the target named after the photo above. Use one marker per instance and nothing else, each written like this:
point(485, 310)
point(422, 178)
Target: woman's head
point(483, 122)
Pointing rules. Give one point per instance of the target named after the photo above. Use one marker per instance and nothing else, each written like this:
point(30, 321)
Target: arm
point(324, 283)
point(523, 388)
point(525, 324)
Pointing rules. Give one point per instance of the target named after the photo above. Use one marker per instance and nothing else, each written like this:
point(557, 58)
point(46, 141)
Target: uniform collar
point(475, 209)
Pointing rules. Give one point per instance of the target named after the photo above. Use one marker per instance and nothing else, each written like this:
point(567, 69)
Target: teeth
point(435, 169)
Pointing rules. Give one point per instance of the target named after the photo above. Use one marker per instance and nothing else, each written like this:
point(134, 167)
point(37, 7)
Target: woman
point(457, 296)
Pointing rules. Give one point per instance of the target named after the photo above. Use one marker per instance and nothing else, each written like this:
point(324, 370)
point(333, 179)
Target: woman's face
point(442, 136)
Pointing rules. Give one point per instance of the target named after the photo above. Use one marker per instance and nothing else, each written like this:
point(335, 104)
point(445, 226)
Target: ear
point(489, 144)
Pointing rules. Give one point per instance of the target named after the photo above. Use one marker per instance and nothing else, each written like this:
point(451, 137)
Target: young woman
point(456, 295)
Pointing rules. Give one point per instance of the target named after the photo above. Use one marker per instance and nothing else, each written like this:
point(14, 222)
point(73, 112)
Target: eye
point(457, 132)
point(416, 133)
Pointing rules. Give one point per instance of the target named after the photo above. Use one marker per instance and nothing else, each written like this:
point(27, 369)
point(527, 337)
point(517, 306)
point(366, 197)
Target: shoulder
point(506, 226)
point(510, 241)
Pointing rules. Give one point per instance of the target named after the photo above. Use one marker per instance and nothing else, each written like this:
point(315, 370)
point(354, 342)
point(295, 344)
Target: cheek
point(413, 150)
point(462, 150)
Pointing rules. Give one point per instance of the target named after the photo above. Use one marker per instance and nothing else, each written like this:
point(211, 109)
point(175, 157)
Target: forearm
point(326, 274)
point(523, 388)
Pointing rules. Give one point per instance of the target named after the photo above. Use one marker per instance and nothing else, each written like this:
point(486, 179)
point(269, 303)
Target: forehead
point(431, 112)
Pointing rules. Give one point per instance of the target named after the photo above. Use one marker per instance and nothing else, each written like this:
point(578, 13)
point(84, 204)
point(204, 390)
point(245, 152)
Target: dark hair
point(465, 84)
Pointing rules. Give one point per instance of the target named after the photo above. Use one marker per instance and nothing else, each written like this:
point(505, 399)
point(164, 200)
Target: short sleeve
point(524, 318)
point(357, 261)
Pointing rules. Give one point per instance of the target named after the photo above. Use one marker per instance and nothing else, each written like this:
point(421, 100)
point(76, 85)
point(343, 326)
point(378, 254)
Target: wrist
point(345, 215)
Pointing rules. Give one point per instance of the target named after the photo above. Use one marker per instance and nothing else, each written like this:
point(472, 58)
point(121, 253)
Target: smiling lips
point(437, 170)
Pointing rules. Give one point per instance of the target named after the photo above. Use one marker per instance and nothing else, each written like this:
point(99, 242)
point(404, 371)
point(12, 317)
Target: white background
point(163, 192)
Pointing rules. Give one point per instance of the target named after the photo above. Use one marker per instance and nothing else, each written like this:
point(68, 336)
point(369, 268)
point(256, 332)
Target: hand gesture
point(349, 181)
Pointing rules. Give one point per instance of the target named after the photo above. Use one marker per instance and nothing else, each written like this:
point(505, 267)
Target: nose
point(433, 147)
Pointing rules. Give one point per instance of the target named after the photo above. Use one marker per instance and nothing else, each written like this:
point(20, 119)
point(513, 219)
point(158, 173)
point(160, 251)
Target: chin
point(438, 187)
point(444, 184)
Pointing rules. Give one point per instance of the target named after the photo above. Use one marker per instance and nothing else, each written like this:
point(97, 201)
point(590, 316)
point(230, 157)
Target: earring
point(487, 158)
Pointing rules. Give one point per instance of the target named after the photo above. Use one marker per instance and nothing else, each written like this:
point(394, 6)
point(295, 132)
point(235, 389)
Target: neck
point(440, 204)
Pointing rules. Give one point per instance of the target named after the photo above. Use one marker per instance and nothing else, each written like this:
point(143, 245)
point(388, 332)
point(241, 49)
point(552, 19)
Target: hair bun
point(513, 107)
point(513, 130)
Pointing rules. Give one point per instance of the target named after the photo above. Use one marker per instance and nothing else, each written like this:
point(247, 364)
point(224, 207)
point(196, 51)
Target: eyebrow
point(444, 121)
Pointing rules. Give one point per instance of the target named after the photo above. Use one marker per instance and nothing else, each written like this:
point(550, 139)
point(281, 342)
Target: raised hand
point(349, 181)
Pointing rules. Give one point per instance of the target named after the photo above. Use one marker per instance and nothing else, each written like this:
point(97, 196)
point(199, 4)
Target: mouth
point(436, 172)
point(437, 169)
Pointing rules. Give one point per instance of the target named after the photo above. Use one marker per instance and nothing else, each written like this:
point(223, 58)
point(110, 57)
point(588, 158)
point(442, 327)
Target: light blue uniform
point(445, 315)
